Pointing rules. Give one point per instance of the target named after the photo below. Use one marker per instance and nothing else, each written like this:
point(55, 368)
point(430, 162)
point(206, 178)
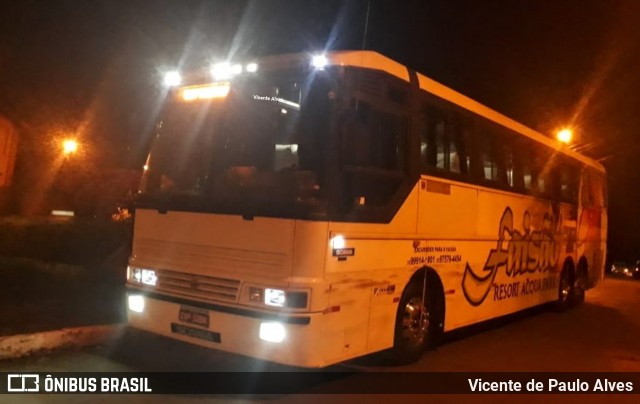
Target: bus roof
point(376, 61)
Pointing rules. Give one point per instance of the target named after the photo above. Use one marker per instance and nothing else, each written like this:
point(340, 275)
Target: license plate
point(195, 332)
point(194, 316)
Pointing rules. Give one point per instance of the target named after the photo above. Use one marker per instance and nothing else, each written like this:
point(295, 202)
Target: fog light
point(272, 332)
point(136, 303)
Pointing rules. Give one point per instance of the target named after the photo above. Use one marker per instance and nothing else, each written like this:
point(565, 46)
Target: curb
point(16, 346)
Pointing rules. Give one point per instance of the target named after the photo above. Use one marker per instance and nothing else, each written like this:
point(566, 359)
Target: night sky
point(93, 68)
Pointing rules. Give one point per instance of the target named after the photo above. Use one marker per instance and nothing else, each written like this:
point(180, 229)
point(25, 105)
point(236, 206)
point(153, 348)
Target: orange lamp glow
point(565, 136)
point(206, 92)
point(69, 146)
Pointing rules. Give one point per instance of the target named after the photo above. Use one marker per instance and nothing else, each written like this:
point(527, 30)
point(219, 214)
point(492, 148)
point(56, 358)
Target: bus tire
point(579, 284)
point(565, 289)
point(416, 323)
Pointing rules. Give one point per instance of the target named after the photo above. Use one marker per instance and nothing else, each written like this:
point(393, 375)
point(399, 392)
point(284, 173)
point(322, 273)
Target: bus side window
point(432, 146)
point(457, 147)
point(355, 142)
point(521, 166)
point(463, 140)
point(509, 165)
point(443, 143)
point(543, 173)
point(376, 139)
point(568, 182)
point(527, 175)
point(391, 142)
point(488, 157)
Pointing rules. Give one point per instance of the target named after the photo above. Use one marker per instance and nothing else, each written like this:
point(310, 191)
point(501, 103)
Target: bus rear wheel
point(579, 286)
point(415, 324)
point(565, 290)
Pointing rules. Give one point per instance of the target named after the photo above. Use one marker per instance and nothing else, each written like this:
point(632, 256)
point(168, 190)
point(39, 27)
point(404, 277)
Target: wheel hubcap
point(565, 288)
point(415, 321)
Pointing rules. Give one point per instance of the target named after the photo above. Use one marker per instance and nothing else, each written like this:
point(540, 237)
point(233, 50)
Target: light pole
point(64, 182)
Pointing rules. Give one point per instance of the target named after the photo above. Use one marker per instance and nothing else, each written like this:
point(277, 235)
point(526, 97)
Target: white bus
point(308, 210)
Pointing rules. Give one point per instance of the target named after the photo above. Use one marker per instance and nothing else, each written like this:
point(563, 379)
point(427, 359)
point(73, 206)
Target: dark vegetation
point(56, 274)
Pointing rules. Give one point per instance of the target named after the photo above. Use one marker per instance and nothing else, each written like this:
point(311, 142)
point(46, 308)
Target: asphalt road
point(603, 335)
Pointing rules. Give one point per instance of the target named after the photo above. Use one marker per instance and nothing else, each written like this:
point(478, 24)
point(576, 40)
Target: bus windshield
point(255, 145)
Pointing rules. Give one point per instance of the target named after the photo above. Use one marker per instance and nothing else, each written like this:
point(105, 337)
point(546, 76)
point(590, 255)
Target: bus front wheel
point(415, 323)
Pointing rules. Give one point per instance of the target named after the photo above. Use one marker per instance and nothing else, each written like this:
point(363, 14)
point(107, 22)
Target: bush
point(82, 242)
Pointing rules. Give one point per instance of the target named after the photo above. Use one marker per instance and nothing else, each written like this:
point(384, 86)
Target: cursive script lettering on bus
point(518, 252)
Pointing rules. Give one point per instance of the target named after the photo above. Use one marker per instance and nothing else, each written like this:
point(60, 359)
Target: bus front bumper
point(283, 338)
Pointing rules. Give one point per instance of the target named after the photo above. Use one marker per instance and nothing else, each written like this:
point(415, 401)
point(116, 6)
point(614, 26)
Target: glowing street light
point(69, 146)
point(565, 136)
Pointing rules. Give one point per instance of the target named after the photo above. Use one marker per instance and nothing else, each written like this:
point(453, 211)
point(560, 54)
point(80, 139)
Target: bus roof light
point(319, 62)
point(205, 92)
point(221, 71)
point(172, 79)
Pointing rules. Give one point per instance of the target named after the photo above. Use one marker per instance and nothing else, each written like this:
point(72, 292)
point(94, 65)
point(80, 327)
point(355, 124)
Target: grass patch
point(61, 274)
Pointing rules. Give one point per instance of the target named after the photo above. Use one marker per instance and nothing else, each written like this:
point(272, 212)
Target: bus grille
point(204, 287)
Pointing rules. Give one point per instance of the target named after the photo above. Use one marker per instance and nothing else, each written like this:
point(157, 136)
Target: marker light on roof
point(172, 79)
point(205, 92)
point(236, 69)
point(221, 71)
point(319, 62)
point(225, 70)
point(252, 68)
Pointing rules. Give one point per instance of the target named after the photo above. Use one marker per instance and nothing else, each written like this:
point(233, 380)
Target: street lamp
point(69, 146)
point(565, 136)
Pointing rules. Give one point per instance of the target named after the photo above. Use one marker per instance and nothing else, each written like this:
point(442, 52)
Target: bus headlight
point(272, 332)
point(274, 297)
point(143, 276)
point(278, 297)
point(149, 277)
point(136, 303)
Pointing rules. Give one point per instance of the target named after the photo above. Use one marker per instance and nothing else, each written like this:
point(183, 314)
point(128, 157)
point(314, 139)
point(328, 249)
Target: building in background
point(8, 151)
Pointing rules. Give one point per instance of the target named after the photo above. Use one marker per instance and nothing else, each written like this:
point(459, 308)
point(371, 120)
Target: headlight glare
point(136, 303)
point(274, 297)
point(272, 332)
point(172, 79)
point(252, 67)
point(149, 277)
